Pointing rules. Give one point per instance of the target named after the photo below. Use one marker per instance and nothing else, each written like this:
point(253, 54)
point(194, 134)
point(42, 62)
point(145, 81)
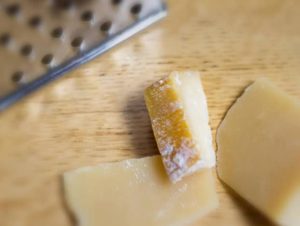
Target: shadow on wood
point(139, 126)
point(62, 192)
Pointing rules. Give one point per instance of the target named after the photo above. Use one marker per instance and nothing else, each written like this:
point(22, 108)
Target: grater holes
point(35, 21)
point(77, 42)
point(47, 59)
point(13, 9)
point(87, 16)
point(136, 9)
point(64, 4)
point(5, 39)
point(26, 50)
point(116, 2)
point(17, 77)
point(105, 27)
point(57, 32)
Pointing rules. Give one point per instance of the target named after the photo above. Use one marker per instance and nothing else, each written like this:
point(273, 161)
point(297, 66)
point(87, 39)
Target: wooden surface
point(97, 112)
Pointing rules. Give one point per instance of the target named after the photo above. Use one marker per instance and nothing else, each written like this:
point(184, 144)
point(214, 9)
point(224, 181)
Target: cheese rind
point(137, 192)
point(178, 111)
point(259, 151)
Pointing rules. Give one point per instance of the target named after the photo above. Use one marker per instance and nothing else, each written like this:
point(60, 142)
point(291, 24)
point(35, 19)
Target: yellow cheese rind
point(178, 111)
point(259, 151)
point(137, 192)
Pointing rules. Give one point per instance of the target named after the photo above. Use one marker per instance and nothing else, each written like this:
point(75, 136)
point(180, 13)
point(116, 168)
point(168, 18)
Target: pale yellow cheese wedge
point(259, 151)
point(137, 192)
point(178, 111)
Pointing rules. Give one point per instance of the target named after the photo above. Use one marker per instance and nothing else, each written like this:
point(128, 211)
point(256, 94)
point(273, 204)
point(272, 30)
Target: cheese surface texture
point(137, 192)
point(259, 151)
point(179, 116)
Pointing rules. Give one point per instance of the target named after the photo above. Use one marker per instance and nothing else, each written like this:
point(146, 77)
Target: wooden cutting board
point(97, 113)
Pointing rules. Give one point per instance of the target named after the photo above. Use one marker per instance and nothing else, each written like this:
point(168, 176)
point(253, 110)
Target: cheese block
point(259, 151)
point(137, 192)
point(179, 116)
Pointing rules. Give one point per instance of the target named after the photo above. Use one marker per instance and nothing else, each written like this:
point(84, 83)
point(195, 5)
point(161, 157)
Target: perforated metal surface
point(42, 39)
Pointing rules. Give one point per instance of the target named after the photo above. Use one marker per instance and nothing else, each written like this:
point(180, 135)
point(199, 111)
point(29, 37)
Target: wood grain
point(97, 113)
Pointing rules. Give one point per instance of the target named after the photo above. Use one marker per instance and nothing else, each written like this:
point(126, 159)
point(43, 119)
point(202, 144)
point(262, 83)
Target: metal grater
point(40, 40)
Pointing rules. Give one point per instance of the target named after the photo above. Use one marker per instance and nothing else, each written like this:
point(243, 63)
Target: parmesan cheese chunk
point(137, 192)
point(259, 151)
point(178, 111)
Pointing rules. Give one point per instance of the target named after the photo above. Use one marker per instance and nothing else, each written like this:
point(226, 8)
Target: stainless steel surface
point(41, 40)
